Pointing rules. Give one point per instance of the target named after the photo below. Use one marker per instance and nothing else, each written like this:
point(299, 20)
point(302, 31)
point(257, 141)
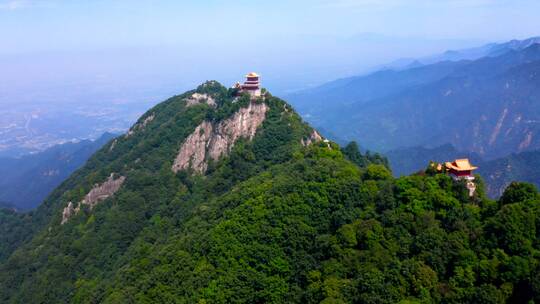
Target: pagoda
point(461, 169)
point(252, 85)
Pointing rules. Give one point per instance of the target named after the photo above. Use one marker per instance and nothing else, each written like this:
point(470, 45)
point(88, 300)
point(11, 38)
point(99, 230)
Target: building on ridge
point(252, 85)
point(461, 169)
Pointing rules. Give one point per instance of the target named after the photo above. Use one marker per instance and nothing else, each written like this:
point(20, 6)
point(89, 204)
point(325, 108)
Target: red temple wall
point(461, 173)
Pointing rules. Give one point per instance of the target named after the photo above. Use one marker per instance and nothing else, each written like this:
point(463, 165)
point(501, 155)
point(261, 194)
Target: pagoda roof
point(462, 164)
point(252, 74)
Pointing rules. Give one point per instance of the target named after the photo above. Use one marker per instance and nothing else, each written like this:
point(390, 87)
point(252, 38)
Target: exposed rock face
point(103, 191)
point(313, 138)
point(113, 145)
point(193, 151)
point(471, 186)
point(210, 141)
point(526, 141)
point(97, 194)
point(198, 98)
point(497, 128)
point(244, 123)
point(141, 125)
point(68, 212)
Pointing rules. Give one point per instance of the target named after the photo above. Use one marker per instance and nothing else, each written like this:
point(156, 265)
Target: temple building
point(461, 169)
point(252, 85)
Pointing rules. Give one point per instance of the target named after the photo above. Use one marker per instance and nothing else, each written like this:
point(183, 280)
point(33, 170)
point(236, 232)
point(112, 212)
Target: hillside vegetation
point(281, 217)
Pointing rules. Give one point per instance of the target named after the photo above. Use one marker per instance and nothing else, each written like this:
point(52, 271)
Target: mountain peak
point(210, 87)
point(195, 132)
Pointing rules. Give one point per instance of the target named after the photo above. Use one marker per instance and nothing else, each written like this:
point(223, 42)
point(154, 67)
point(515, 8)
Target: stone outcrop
point(313, 138)
point(113, 145)
point(141, 125)
point(471, 186)
point(103, 191)
point(197, 98)
point(526, 141)
point(497, 128)
point(68, 212)
point(193, 151)
point(210, 141)
point(97, 194)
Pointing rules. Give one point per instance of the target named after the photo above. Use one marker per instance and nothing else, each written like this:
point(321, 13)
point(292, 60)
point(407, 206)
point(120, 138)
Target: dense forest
point(14, 230)
point(274, 221)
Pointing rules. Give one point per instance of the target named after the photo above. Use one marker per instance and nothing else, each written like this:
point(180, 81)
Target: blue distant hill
point(26, 181)
point(488, 105)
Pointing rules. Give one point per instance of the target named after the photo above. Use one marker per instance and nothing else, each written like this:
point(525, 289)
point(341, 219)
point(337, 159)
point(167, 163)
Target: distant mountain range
point(499, 173)
point(488, 105)
point(488, 50)
point(26, 181)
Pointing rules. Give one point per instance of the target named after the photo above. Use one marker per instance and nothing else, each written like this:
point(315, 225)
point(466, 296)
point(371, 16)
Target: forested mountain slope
point(499, 173)
point(15, 229)
point(212, 198)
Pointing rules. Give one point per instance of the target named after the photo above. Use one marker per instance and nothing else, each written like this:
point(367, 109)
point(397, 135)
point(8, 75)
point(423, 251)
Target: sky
point(32, 25)
point(169, 46)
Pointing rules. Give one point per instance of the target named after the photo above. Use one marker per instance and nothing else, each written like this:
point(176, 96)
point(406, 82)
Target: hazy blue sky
point(27, 25)
point(175, 44)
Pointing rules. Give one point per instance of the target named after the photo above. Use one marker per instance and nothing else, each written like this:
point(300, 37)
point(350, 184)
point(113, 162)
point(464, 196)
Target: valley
point(27, 129)
point(27, 180)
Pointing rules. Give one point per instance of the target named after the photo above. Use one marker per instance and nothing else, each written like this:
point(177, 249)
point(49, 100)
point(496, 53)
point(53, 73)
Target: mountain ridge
point(283, 216)
point(462, 107)
point(487, 50)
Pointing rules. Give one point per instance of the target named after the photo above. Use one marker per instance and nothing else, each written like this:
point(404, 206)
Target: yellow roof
point(252, 74)
point(462, 164)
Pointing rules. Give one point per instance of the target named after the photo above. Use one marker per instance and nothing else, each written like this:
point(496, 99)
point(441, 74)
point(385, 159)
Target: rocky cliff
point(211, 141)
point(97, 193)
